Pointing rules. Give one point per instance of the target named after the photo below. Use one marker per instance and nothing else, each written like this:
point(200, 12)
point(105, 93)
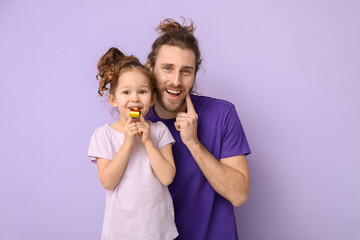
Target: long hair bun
point(175, 34)
point(169, 25)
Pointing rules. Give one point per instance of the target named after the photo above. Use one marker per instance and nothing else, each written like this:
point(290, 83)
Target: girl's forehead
point(134, 77)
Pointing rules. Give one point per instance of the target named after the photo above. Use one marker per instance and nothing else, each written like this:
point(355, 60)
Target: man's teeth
point(173, 91)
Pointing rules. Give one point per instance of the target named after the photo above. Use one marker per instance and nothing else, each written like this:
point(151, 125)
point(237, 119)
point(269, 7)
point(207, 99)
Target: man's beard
point(169, 106)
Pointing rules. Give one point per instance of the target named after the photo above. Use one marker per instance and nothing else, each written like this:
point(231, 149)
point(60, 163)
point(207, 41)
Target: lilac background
point(292, 68)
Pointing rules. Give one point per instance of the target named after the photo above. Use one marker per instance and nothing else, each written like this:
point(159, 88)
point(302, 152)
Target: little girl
point(133, 156)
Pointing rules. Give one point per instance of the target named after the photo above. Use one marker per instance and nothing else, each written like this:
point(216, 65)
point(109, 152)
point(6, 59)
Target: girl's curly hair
point(113, 64)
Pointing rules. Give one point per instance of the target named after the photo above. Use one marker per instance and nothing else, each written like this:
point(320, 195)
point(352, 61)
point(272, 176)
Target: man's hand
point(186, 123)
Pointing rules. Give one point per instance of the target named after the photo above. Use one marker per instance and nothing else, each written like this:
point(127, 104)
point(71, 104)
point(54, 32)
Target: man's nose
point(176, 78)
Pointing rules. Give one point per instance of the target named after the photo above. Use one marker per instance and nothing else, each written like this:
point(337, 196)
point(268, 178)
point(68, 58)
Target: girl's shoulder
point(157, 125)
point(160, 134)
point(106, 130)
point(102, 128)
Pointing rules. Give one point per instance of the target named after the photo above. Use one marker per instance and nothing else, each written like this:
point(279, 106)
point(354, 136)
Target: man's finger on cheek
point(180, 116)
point(189, 104)
point(177, 126)
point(183, 114)
point(184, 119)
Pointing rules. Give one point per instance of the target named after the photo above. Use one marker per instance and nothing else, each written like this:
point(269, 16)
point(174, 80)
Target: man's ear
point(148, 64)
point(112, 100)
point(153, 99)
point(191, 90)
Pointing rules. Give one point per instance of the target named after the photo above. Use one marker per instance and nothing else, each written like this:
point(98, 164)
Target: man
point(212, 174)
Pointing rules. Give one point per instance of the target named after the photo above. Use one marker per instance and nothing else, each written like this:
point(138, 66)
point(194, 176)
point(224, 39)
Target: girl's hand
point(131, 130)
point(143, 130)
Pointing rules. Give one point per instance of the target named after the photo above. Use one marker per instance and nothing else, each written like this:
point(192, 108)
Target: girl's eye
point(142, 91)
point(126, 92)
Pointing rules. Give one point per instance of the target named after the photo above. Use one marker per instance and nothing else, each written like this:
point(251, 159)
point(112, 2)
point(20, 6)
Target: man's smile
point(173, 93)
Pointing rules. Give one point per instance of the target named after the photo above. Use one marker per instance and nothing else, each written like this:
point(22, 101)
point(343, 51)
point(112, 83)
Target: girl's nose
point(134, 97)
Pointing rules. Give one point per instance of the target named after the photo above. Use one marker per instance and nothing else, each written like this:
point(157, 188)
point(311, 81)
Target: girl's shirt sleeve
point(161, 135)
point(99, 146)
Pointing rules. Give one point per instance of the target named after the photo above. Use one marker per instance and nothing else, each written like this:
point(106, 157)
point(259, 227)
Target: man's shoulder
point(201, 101)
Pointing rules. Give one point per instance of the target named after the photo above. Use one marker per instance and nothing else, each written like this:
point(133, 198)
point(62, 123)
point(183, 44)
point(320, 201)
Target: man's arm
point(230, 176)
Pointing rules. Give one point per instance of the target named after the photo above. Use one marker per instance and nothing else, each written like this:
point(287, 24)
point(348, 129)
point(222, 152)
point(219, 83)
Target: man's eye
point(167, 69)
point(187, 71)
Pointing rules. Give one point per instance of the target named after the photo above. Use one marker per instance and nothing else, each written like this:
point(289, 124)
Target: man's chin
point(170, 106)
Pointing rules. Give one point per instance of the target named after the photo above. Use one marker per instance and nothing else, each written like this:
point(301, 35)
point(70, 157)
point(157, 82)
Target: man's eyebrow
point(171, 65)
point(189, 67)
point(167, 64)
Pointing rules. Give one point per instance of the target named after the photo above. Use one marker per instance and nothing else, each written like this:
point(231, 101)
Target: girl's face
point(133, 91)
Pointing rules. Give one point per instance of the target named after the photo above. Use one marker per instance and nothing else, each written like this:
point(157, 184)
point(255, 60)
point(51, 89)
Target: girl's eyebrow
point(128, 86)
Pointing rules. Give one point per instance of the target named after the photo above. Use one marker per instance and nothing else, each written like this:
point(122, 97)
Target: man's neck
point(163, 114)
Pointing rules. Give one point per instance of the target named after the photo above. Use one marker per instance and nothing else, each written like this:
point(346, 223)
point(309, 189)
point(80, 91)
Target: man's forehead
point(172, 55)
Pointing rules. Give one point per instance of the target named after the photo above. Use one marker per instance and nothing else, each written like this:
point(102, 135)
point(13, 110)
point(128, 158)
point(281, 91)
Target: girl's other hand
point(143, 130)
point(131, 130)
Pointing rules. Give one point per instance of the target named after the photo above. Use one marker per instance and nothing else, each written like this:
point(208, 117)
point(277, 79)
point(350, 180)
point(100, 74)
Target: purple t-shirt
point(200, 212)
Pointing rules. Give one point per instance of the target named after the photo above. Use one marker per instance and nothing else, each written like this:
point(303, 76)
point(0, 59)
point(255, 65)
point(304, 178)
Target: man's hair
point(178, 35)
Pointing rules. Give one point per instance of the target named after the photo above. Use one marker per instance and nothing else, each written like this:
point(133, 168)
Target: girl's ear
point(112, 100)
point(153, 99)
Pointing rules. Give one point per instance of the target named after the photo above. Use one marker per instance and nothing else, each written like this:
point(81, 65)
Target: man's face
point(175, 76)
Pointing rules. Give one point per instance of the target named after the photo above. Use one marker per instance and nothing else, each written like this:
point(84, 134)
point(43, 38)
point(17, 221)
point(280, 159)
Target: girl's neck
point(119, 125)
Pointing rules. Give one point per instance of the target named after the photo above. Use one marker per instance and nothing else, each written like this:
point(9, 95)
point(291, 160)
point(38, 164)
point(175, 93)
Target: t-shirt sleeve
point(163, 135)
point(234, 139)
point(99, 147)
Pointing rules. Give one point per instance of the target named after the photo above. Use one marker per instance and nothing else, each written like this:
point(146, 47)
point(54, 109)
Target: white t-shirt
point(139, 207)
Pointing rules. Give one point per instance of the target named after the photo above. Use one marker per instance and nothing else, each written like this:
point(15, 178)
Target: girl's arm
point(110, 172)
point(162, 162)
